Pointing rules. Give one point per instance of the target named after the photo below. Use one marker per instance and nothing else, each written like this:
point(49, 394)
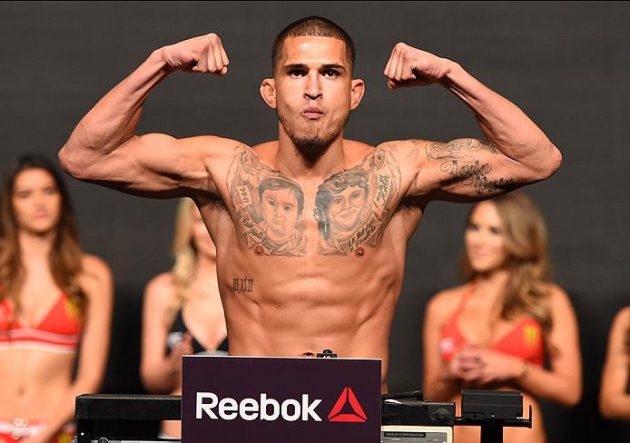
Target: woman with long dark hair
point(497, 329)
point(54, 299)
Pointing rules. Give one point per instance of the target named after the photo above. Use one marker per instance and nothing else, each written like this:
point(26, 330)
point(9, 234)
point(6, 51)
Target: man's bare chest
point(276, 215)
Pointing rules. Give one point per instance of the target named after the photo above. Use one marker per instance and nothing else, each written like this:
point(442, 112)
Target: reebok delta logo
point(346, 409)
point(337, 413)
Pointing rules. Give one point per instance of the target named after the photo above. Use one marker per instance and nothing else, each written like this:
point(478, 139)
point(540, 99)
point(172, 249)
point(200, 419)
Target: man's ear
point(356, 92)
point(268, 92)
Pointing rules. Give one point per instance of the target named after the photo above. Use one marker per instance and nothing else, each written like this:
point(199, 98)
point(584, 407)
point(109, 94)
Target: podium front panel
point(305, 400)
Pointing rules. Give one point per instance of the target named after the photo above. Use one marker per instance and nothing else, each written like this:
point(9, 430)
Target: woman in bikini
point(614, 399)
point(182, 311)
point(53, 300)
point(497, 330)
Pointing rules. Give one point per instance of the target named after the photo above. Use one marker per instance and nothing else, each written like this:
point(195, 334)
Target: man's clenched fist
point(408, 66)
point(199, 54)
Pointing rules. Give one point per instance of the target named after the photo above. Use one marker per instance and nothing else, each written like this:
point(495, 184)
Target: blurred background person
point(54, 299)
point(182, 312)
point(497, 330)
point(614, 399)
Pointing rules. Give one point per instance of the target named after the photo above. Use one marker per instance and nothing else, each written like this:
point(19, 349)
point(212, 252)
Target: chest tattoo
point(269, 208)
point(352, 207)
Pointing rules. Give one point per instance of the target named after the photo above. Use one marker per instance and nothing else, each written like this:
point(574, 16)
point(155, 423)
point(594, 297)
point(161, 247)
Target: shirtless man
point(305, 299)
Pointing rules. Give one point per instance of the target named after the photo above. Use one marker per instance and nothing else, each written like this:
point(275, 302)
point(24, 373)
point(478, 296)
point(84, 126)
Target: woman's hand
point(184, 347)
point(479, 366)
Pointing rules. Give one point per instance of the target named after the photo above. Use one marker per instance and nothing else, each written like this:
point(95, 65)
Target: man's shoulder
point(266, 149)
point(357, 146)
point(355, 151)
point(212, 144)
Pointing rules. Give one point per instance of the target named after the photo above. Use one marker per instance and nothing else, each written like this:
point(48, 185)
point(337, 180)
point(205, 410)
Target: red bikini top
point(524, 340)
point(58, 331)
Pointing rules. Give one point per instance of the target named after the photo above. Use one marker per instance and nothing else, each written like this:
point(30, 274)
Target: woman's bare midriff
point(39, 382)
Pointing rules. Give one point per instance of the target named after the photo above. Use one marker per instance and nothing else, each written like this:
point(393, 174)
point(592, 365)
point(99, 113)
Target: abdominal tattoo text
point(352, 207)
point(459, 162)
point(242, 285)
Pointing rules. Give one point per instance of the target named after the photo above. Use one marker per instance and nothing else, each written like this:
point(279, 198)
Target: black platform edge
point(128, 407)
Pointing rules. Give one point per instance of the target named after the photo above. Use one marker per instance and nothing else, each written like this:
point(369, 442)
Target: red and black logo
point(347, 409)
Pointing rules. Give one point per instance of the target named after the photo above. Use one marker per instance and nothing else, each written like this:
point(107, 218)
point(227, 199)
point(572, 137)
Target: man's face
point(345, 209)
point(313, 85)
point(280, 212)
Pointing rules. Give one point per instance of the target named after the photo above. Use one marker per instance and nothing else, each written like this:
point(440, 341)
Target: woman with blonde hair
point(182, 311)
point(497, 329)
point(53, 299)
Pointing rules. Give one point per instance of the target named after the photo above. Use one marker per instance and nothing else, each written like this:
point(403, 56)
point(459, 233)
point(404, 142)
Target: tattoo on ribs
point(242, 285)
point(461, 165)
point(352, 207)
point(268, 207)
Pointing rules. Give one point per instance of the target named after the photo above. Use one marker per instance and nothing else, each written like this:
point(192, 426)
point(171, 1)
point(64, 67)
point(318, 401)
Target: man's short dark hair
point(316, 27)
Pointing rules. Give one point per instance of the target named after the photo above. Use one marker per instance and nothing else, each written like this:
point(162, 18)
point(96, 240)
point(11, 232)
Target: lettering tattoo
point(461, 165)
point(268, 207)
point(242, 285)
point(352, 207)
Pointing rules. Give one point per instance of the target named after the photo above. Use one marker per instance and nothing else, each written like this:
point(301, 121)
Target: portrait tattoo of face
point(352, 207)
point(267, 206)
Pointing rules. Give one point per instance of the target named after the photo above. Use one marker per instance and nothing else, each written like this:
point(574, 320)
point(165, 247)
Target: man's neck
point(291, 162)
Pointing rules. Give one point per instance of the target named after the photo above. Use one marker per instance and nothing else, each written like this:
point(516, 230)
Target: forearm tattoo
point(352, 207)
point(268, 207)
point(459, 162)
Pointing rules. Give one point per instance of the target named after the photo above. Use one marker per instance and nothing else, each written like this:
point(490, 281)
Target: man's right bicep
point(158, 165)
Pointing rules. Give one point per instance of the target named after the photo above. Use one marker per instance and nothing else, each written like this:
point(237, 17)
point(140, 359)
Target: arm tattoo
point(458, 160)
point(268, 208)
point(352, 207)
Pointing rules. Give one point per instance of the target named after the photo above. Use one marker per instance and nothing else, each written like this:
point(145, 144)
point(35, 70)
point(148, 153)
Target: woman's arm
point(160, 373)
point(438, 382)
point(563, 382)
point(614, 401)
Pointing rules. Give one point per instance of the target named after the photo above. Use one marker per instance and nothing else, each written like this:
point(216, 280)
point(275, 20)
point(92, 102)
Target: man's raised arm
point(515, 152)
point(104, 148)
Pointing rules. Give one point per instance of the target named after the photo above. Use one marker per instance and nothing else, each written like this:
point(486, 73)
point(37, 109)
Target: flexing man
point(304, 298)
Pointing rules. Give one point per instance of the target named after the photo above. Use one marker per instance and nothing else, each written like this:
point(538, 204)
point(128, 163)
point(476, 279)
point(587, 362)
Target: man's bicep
point(465, 169)
point(158, 165)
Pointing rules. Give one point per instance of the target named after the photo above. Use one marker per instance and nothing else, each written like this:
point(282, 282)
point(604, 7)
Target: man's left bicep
point(465, 169)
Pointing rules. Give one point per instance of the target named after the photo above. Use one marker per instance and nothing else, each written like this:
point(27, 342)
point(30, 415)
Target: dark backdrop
point(566, 64)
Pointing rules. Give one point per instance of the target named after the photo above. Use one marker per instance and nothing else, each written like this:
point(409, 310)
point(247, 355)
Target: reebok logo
point(249, 409)
point(337, 413)
point(346, 409)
